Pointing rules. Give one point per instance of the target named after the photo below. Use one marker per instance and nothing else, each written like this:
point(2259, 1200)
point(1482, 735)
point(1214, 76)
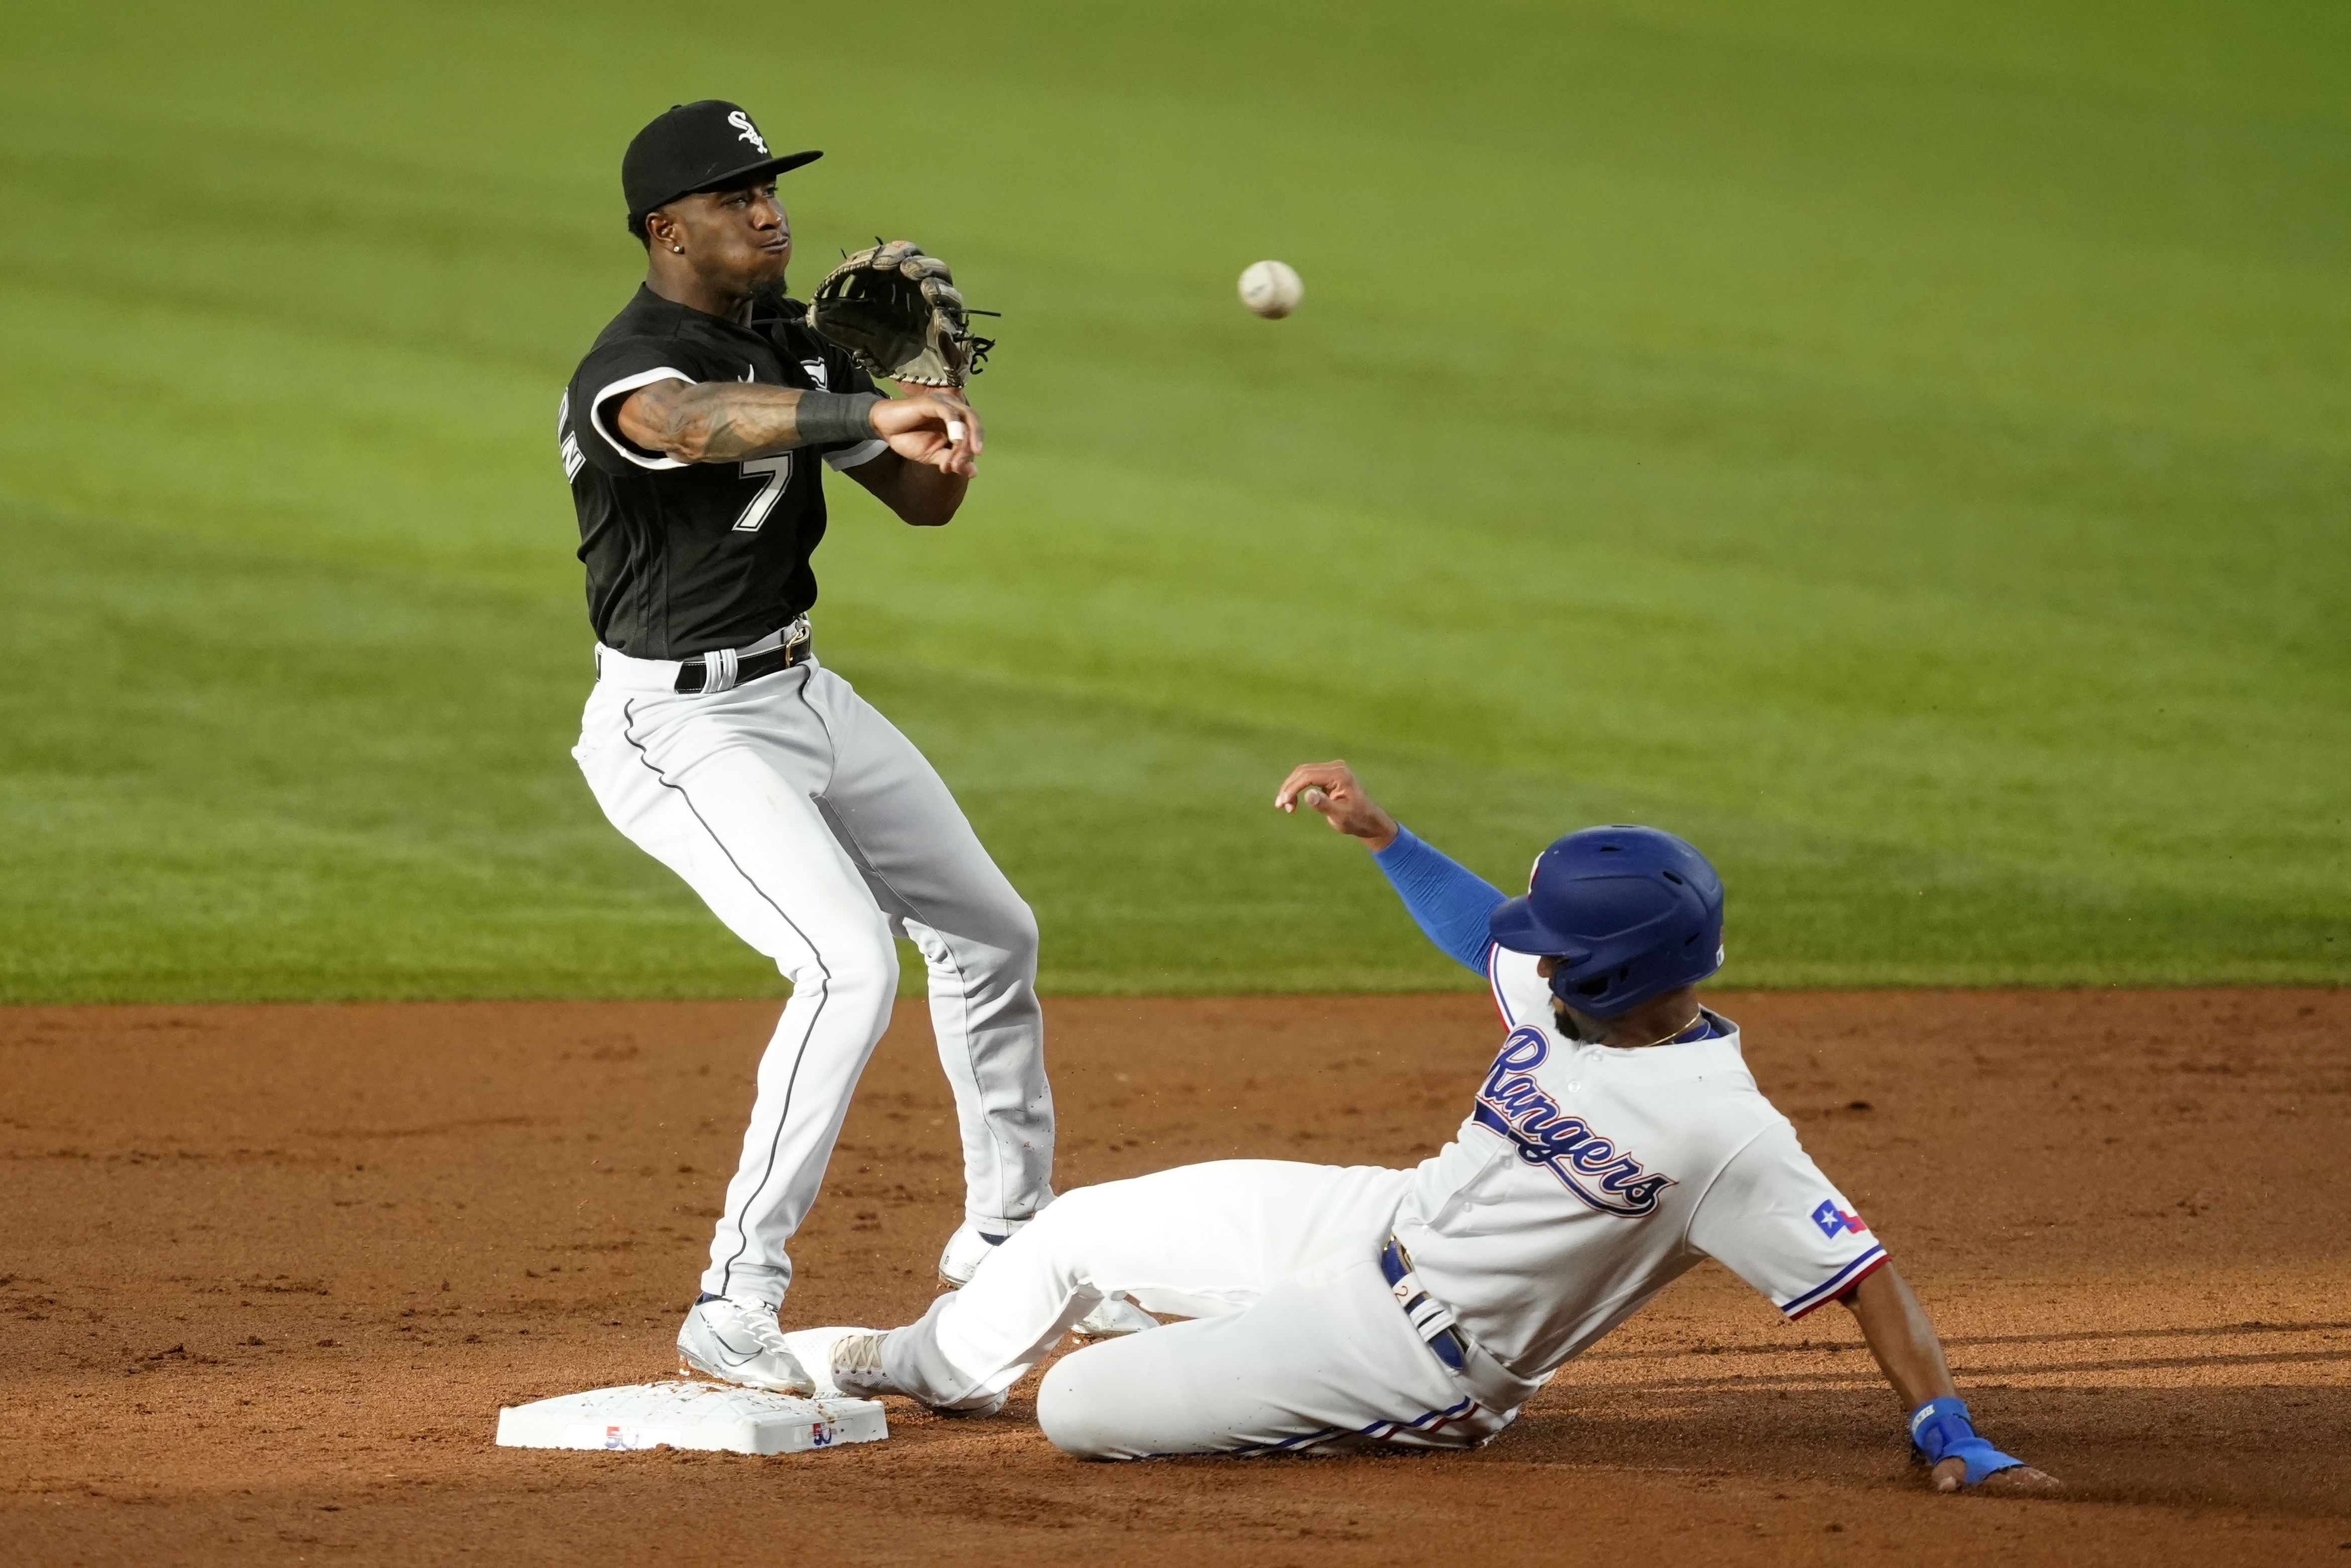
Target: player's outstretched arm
point(1449, 901)
point(726, 421)
point(1911, 1355)
point(1333, 789)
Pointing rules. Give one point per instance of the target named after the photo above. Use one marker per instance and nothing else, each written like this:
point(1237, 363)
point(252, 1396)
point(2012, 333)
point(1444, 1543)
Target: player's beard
point(1563, 1018)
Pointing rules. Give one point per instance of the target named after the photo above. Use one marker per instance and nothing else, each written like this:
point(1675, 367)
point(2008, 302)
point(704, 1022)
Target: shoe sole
point(1086, 1335)
point(691, 1364)
point(1089, 1336)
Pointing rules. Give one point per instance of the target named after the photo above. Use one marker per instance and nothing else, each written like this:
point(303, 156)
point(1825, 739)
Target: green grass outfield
point(1907, 449)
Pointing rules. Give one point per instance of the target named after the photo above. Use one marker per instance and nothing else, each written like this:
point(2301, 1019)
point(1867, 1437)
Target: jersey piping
point(630, 384)
point(1835, 1284)
point(1494, 983)
point(855, 456)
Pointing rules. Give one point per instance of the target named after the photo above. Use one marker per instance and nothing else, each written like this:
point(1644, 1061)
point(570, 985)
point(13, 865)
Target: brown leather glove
point(896, 310)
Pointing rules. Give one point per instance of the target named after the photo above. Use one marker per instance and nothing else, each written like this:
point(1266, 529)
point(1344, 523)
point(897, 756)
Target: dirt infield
point(270, 1272)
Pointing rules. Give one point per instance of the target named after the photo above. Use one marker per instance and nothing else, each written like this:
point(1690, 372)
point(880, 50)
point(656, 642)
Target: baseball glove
point(896, 310)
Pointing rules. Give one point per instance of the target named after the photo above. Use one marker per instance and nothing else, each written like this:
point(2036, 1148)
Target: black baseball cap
point(706, 146)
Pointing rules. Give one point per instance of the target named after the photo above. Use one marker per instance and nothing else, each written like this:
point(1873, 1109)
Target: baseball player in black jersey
point(692, 434)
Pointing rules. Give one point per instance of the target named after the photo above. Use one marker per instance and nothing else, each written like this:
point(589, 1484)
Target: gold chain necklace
point(1669, 1034)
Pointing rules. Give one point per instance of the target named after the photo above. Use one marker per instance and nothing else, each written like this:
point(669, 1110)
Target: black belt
point(694, 674)
point(1429, 1318)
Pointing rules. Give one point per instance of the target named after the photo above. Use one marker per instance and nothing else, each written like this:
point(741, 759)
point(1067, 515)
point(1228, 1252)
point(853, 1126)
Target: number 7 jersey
point(686, 558)
point(1586, 1178)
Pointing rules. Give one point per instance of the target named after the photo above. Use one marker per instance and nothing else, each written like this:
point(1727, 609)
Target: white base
point(679, 1414)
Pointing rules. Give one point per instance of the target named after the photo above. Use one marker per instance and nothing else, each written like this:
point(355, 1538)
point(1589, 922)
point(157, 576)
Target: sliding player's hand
point(1333, 789)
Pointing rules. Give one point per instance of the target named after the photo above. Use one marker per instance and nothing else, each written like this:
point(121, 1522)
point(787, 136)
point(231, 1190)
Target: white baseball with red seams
point(1585, 1180)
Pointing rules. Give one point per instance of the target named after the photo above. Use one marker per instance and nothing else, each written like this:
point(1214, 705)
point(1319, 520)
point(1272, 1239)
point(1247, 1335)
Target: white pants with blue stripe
point(818, 833)
point(1297, 1344)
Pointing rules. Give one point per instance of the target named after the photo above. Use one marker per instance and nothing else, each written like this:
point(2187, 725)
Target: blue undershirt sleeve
point(1448, 900)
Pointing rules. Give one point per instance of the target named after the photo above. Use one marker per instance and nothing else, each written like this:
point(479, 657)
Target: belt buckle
point(796, 642)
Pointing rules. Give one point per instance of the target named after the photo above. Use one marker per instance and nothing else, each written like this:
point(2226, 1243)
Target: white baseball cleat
point(738, 1341)
point(829, 1352)
point(856, 1363)
point(848, 1361)
point(967, 1250)
point(1115, 1316)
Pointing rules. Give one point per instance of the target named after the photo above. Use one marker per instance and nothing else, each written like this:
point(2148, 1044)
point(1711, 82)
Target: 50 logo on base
point(583, 1435)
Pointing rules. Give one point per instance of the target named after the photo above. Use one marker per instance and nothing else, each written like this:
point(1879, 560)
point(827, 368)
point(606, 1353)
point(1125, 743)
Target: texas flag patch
point(1835, 1221)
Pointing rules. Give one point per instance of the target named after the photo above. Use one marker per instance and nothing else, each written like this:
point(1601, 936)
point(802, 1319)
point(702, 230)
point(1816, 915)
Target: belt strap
point(1429, 1318)
point(725, 669)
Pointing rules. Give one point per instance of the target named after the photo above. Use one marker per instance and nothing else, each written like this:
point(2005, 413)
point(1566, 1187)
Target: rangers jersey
point(1587, 1178)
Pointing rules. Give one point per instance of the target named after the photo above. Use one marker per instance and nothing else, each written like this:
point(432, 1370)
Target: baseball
point(1271, 288)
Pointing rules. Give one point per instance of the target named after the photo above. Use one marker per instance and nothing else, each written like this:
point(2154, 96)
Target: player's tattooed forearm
point(753, 422)
point(722, 437)
point(722, 423)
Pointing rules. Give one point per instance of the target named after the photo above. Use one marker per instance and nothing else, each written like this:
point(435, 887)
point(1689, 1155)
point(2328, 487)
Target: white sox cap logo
point(742, 123)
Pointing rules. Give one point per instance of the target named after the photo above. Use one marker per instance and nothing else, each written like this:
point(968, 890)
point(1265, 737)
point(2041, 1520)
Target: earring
point(678, 249)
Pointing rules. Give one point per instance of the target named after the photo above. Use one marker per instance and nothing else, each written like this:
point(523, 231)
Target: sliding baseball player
point(1616, 1140)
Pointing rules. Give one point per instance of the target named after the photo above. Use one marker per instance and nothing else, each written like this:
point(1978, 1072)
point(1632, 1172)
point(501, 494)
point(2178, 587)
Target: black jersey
point(685, 558)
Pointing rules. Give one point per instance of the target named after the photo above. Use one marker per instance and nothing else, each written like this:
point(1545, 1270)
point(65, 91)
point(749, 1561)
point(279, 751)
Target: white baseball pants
point(818, 833)
point(1297, 1345)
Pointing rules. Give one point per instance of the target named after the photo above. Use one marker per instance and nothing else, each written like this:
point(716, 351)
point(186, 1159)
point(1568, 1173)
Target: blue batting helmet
point(1630, 913)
